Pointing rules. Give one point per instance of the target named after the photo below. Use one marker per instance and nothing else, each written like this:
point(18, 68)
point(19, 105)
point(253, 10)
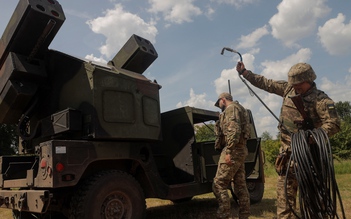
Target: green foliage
point(269, 170)
point(342, 166)
point(344, 110)
point(341, 142)
point(8, 139)
point(266, 136)
point(270, 147)
point(205, 132)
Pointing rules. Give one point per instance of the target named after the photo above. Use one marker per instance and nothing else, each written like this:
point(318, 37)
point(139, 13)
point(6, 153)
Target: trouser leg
point(220, 185)
point(240, 189)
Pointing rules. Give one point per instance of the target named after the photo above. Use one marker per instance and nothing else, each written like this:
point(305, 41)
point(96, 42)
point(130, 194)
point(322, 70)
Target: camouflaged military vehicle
point(93, 142)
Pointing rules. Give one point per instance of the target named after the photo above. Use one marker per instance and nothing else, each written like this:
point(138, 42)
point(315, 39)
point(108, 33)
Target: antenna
point(230, 92)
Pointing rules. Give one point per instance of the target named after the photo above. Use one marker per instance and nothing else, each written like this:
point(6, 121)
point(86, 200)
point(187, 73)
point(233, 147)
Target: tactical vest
point(289, 113)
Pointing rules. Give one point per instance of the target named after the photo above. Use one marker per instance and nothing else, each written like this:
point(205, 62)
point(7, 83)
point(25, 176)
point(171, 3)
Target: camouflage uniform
point(233, 123)
point(321, 110)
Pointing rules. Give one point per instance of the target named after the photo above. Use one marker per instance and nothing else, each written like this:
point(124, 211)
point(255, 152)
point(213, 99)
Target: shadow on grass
point(263, 208)
point(206, 209)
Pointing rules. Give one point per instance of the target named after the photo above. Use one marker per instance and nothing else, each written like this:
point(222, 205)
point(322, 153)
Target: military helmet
point(225, 95)
point(301, 72)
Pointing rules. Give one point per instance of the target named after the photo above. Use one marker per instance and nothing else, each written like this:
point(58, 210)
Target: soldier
point(232, 133)
point(320, 109)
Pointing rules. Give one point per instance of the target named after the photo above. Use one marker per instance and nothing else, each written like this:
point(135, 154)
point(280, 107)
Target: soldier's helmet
point(225, 95)
point(301, 72)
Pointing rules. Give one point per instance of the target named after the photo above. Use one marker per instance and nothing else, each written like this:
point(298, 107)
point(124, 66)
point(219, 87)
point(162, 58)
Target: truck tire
point(256, 190)
point(109, 194)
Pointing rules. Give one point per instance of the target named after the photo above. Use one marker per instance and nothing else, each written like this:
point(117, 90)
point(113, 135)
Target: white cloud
point(251, 40)
point(338, 91)
point(117, 26)
point(297, 19)
point(236, 3)
point(95, 59)
point(335, 35)
point(175, 11)
point(196, 100)
point(278, 70)
point(249, 60)
point(237, 86)
point(209, 12)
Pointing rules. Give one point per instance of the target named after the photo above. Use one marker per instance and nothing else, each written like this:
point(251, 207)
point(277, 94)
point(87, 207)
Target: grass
point(342, 167)
point(205, 206)
point(5, 214)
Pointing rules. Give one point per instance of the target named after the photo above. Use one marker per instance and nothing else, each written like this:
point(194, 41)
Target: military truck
point(93, 142)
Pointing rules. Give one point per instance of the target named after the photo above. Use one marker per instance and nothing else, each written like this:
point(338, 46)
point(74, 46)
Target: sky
point(189, 35)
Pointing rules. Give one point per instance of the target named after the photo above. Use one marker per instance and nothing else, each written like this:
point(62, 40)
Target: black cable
point(313, 166)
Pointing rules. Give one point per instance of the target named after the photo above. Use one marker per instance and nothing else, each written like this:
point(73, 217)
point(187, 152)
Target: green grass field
point(205, 206)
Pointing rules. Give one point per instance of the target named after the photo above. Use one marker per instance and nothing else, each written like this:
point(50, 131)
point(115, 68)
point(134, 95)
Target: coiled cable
point(312, 162)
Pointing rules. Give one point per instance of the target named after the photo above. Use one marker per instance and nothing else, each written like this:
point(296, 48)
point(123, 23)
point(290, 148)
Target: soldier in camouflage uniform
point(232, 132)
point(317, 104)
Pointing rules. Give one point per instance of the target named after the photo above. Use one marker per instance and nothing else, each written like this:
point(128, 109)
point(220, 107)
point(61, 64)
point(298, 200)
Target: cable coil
point(314, 170)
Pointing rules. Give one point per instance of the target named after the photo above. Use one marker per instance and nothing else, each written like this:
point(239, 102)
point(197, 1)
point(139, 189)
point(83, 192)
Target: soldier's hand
point(228, 159)
point(240, 67)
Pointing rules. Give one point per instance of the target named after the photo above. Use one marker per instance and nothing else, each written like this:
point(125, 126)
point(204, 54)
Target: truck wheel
point(256, 190)
point(107, 195)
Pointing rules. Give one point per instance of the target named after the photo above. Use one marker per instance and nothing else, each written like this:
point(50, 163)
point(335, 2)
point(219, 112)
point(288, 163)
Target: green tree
point(8, 139)
point(205, 132)
point(270, 146)
point(344, 110)
point(266, 136)
point(341, 141)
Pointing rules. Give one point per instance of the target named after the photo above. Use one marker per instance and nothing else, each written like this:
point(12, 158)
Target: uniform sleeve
point(233, 129)
point(269, 85)
point(329, 117)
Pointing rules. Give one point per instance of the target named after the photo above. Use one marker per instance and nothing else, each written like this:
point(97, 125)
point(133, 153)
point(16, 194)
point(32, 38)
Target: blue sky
point(190, 34)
